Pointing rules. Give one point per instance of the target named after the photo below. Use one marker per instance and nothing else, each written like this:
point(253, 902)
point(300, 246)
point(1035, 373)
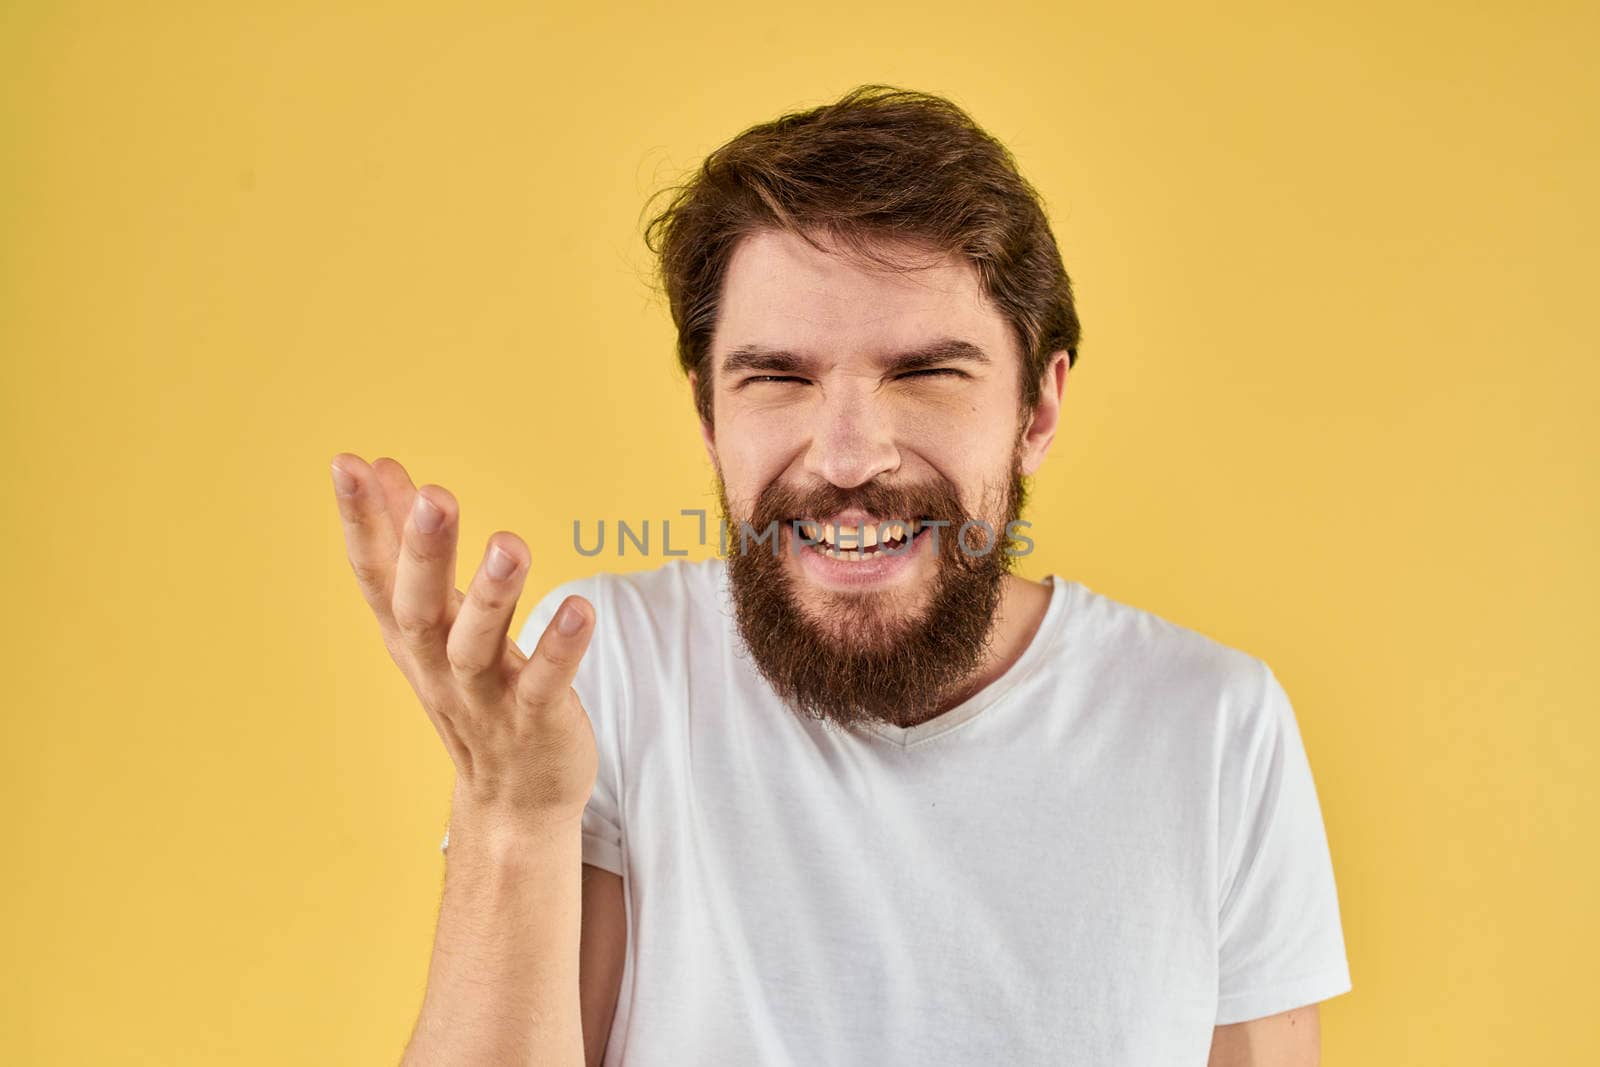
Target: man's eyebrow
point(755, 357)
point(944, 350)
point(759, 357)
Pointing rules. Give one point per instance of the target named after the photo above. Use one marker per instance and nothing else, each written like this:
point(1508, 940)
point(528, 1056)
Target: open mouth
point(853, 543)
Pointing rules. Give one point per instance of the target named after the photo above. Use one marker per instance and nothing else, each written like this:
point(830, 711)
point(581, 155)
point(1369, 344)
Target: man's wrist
point(496, 829)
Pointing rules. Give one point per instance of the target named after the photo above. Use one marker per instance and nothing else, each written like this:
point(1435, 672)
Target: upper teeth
point(865, 535)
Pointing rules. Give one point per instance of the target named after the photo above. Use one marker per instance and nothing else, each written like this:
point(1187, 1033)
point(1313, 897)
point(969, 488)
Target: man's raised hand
point(519, 738)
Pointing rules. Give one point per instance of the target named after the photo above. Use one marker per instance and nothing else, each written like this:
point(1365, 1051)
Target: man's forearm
point(503, 980)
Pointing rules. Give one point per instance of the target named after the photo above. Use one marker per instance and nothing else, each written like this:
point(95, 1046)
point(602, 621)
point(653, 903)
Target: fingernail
point(500, 564)
point(426, 515)
point(569, 621)
point(343, 483)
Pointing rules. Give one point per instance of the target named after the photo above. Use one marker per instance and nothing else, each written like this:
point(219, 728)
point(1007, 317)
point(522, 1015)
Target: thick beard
point(879, 660)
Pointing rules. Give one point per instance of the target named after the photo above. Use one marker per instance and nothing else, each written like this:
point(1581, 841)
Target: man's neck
point(1022, 607)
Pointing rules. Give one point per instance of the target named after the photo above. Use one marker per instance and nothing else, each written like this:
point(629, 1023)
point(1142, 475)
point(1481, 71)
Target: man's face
point(845, 396)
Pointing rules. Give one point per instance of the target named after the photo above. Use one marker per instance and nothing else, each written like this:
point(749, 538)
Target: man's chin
point(848, 639)
point(888, 655)
point(858, 636)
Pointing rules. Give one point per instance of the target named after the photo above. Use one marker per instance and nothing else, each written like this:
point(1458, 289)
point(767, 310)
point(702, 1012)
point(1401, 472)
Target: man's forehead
point(780, 293)
point(777, 264)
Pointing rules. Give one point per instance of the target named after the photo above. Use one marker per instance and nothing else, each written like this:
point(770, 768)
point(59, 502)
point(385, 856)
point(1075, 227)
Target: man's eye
point(933, 372)
point(754, 378)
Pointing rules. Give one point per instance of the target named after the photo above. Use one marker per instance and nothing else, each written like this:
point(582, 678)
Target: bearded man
point(856, 793)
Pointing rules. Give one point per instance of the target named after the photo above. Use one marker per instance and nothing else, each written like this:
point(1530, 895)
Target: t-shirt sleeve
point(601, 690)
point(599, 686)
point(1280, 941)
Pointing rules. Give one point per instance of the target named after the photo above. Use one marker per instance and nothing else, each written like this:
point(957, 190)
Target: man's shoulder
point(1129, 632)
point(1168, 664)
point(660, 603)
point(675, 586)
point(656, 603)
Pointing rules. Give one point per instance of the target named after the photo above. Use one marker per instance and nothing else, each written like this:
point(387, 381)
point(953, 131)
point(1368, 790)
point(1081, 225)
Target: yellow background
point(1334, 407)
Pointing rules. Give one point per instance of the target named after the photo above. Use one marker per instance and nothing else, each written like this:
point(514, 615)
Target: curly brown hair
point(880, 162)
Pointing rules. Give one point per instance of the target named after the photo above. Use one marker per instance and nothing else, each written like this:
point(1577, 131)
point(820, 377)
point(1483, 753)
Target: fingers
point(369, 537)
point(401, 494)
point(398, 491)
point(477, 647)
point(543, 681)
point(425, 575)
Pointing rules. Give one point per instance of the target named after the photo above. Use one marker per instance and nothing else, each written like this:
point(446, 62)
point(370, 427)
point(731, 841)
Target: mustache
point(930, 500)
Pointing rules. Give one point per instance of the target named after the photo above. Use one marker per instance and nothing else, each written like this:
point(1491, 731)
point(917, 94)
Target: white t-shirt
point(1110, 850)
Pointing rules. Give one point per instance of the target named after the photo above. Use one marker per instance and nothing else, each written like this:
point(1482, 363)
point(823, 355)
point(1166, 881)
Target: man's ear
point(707, 433)
point(1046, 414)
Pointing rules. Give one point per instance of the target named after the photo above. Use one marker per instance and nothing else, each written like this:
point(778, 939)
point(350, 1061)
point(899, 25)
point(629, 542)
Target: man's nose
point(852, 437)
